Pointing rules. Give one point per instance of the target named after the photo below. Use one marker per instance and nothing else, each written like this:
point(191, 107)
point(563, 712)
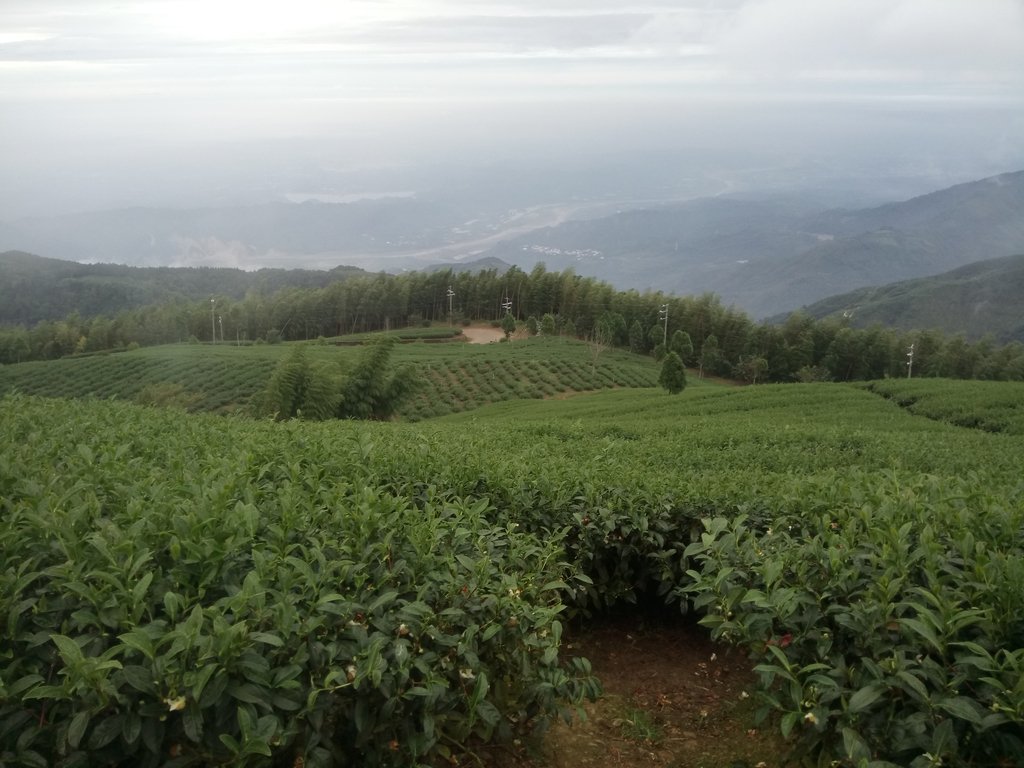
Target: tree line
point(714, 339)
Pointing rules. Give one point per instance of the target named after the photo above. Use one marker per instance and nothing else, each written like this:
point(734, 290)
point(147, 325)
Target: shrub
point(881, 635)
point(220, 599)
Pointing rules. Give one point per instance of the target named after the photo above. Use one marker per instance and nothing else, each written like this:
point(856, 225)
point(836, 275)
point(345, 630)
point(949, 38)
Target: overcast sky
point(393, 79)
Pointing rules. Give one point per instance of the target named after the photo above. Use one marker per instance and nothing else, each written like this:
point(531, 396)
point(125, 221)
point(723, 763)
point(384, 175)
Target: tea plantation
point(187, 589)
point(451, 377)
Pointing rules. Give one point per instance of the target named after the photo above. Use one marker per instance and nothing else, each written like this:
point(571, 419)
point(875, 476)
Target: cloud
point(905, 40)
point(562, 72)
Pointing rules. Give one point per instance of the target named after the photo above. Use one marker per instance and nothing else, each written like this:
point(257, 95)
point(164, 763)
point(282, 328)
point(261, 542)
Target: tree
point(297, 389)
point(508, 325)
point(547, 324)
point(673, 374)
point(681, 344)
point(598, 343)
point(751, 367)
point(371, 390)
point(532, 326)
point(710, 355)
point(637, 343)
point(612, 326)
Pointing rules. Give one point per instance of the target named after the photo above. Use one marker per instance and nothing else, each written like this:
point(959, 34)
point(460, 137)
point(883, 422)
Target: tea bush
point(870, 559)
point(191, 592)
point(888, 630)
point(993, 406)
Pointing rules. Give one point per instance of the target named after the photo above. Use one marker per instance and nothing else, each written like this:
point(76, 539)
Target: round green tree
point(508, 325)
point(673, 374)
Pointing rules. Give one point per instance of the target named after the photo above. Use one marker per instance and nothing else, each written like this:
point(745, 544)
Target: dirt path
point(672, 699)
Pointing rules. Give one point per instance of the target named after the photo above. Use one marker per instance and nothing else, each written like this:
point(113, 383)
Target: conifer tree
point(673, 374)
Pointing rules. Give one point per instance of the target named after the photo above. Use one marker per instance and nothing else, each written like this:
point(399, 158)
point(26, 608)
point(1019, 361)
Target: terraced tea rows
point(454, 377)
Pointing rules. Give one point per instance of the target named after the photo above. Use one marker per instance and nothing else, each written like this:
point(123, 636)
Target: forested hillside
point(715, 339)
point(34, 288)
point(983, 298)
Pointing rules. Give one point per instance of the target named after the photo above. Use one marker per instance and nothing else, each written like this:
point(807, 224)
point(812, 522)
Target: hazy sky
point(89, 87)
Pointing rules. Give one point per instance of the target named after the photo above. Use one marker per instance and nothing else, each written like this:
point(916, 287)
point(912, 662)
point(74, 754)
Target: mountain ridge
point(978, 299)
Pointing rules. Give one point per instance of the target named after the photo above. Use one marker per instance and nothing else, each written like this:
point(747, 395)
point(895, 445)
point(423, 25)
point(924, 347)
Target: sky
point(95, 94)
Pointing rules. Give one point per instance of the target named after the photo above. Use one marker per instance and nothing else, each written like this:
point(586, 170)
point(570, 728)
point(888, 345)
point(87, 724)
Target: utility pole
point(213, 320)
point(220, 319)
point(910, 360)
point(451, 295)
point(663, 315)
point(507, 305)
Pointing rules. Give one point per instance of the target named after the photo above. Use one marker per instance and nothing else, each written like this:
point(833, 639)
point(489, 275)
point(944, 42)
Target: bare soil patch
point(483, 334)
point(672, 699)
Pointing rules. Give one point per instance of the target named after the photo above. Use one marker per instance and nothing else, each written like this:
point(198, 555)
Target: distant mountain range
point(763, 256)
point(767, 258)
point(986, 297)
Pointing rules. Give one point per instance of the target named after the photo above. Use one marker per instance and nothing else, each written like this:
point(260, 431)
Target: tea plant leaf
point(962, 708)
point(139, 678)
point(865, 697)
point(69, 651)
point(383, 600)
point(76, 728)
point(139, 641)
point(855, 747)
point(108, 729)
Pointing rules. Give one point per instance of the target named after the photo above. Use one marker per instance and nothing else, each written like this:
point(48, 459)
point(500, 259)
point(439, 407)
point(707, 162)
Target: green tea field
point(805, 574)
point(451, 376)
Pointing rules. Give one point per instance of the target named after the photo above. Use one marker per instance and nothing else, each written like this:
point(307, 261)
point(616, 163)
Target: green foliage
point(710, 358)
point(241, 593)
point(532, 326)
point(637, 341)
point(547, 324)
point(987, 405)
point(353, 307)
point(681, 344)
point(298, 389)
point(167, 395)
point(612, 329)
point(809, 374)
point(371, 389)
point(883, 631)
point(673, 374)
point(904, 548)
point(508, 325)
point(750, 368)
point(227, 378)
point(639, 725)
